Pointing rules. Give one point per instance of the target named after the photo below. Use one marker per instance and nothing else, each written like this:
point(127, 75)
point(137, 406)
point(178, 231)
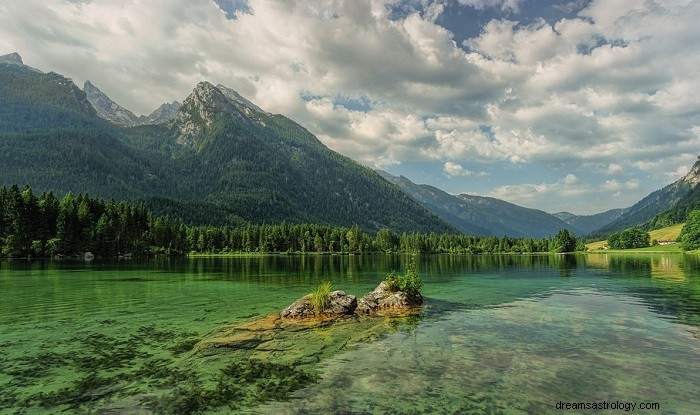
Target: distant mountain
point(164, 113)
point(51, 138)
point(484, 216)
point(590, 223)
point(219, 159)
point(643, 212)
point(109, 110)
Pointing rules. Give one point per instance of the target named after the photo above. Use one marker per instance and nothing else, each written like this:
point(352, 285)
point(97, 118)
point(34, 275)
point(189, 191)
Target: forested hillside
point(688, 203)
point(664, 207)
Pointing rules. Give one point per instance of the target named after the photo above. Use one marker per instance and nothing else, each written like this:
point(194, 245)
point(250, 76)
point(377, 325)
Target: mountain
point(448, 207)
point(264, 166)
point(678, 213)
point(109, 110)
point(590, 223)
point(52, 138)
point(483, 216)
point(644, 212)
point(219, 160)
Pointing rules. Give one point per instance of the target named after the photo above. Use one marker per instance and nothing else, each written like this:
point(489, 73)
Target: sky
point(579, 106)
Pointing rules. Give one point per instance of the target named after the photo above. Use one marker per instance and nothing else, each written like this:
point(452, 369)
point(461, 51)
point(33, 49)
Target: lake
point(498, 334)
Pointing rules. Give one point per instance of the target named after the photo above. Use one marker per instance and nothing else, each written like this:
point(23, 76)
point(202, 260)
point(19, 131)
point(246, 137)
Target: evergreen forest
point(45, 225)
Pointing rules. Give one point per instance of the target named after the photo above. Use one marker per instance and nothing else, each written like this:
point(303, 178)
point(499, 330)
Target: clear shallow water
point(498, 334)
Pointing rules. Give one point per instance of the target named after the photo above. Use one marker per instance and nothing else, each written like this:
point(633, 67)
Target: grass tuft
point(320, 297)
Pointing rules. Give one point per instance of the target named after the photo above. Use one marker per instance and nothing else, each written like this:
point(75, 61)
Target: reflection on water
point(498, 334)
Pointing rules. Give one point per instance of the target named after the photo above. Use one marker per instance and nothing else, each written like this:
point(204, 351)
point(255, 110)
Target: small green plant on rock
point(320, 297)
point(410, 282)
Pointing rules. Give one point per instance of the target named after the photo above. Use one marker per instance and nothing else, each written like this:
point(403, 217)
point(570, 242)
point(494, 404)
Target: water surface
point(501, 334)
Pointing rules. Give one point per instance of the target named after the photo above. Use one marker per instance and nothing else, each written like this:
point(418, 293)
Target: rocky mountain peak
point(200, 109)
point(12, 57)
point(693, 176)
point(14, 62)
point(197, 113)
point(162, 114)
point(108, 109)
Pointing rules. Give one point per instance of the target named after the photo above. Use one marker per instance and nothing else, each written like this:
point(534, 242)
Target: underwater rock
point(279, 333)
point(383, 299)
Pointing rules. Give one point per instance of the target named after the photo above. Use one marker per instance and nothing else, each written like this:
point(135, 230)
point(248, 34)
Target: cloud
point(454, 170)
point(529, 194)
point(614, 185)
point(613, 168)
point(505, 5)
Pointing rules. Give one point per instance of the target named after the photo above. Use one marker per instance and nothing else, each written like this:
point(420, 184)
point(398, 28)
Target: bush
point(410, 282)
point(320, 297)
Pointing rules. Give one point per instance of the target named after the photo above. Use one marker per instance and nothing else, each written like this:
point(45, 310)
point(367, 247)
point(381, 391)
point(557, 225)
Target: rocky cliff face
point(15, 62)
point(108, 109)
point(693, 176)
point(197, 114)
point(207, 102)
point(12, 58)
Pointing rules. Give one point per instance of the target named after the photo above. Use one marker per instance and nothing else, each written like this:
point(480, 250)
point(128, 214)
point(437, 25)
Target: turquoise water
point(501, 334)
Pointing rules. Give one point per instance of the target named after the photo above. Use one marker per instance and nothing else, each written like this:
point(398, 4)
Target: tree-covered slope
point(644, 212)
point(51, 137)
point(690, 201)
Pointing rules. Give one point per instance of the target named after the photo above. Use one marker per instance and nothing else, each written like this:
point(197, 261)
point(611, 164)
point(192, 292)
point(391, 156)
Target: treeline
point(44, 226)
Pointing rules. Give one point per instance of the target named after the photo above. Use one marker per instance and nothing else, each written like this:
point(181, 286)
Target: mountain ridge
point(591, 223)
point(109, 110)
point(479, 215)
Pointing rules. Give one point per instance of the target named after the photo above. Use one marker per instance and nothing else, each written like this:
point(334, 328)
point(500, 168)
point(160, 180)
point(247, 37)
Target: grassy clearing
point(649, 249)
point(594, 246)
point(669, 233)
